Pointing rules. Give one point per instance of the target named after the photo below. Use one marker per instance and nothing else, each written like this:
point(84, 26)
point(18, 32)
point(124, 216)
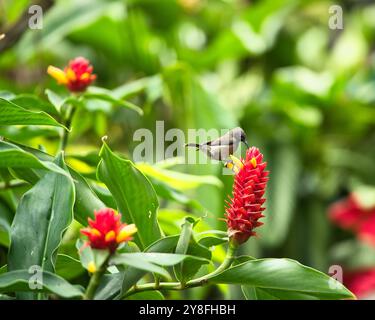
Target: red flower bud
point(77, 76)
point(107, 231)
point(246, 206)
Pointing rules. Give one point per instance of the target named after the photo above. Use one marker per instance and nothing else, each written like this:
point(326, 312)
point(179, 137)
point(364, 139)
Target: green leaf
point(7, 95)
point(284, 275)
point(104, 194)
point(182, 247)
point(6, 217)
point(178, 180)
point(27, 133)
point(116, 284)
point(20, 280)
point(151, 262)
point(166, 192)
point(43, 214)
point(88, 255)
point(56, 100)
point(67, 267)
point(187, 245)
point(170, 220)
point(134, 195)
point(147, 295)
point(86, 201)
point(107, 95)
point(34, 103)
point(110, 285)
point(212, 240)
point(12, 114)
point(12, 156)
point(254, 293)
point(151, 85)
point(3, 269)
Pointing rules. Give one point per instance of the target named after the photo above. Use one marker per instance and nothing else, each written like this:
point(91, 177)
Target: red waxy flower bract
point(360, 282)
point(246, 206)
point(77, 76)
point(350, 214)
point(107, 231)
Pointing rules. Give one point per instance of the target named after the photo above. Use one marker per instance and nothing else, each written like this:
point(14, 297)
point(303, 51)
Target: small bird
point(222, 147)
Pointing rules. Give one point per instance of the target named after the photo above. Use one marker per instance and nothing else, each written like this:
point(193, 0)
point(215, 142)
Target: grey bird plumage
point(222, 147)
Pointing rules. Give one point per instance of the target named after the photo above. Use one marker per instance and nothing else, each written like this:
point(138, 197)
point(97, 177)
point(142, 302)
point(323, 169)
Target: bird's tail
point(195, 145)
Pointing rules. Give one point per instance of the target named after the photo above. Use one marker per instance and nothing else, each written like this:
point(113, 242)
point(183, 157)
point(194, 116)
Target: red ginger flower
point(77, 76)
point(350, 214)
point(245, 207)
point(107, 231)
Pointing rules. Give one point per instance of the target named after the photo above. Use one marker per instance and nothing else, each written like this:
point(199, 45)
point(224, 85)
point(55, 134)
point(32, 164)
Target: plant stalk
point(190, 284)
point(68, 124)
point(95, 280)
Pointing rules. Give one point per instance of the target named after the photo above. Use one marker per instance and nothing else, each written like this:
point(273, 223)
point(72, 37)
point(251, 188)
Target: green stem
point(231, 253)
point(95, 280)
point(68, 124)
point(204, 280)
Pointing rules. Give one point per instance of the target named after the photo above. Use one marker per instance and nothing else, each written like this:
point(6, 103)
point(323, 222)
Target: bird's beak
point(247, 144)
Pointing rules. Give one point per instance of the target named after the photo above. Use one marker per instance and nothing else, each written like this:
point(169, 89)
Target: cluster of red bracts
point(107, 231)
point(77, 76)
point(245, 207)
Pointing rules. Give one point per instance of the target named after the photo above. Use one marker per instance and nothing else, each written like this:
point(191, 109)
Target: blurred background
point(304, 94)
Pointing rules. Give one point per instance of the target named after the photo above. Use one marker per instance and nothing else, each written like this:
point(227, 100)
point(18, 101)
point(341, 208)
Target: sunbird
point(224, 146)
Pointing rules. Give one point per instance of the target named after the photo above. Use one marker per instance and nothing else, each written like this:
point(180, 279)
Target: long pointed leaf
point(43, 214)
point(284, 275)
point(12, 114)
point(16, 281)
point(134, 195)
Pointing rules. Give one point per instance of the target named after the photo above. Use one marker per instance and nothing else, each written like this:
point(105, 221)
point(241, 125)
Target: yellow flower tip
point(58, 74)
point(126, 232)
point(70, 74)
point(95, 232)
point(91, 267)
point(253, 161)
point(237, 162)
point(85, 76)
point(110, 236)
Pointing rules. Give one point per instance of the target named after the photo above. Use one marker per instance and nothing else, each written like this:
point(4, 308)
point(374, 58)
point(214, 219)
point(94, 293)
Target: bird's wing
point(220, 152)
point(219, 142)
point(225, 139)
